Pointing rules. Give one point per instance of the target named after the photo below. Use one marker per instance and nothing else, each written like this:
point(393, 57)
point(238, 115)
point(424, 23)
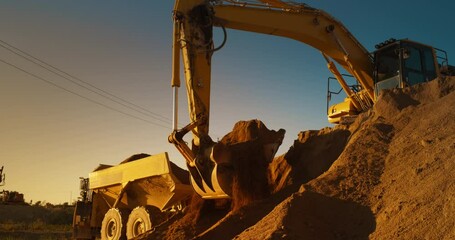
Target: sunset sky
point(54, 131)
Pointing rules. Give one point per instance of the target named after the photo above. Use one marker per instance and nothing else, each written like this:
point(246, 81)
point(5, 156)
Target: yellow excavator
point(395, 63)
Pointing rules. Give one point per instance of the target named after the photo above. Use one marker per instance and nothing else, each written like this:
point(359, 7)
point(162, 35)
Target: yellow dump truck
point(128, 199)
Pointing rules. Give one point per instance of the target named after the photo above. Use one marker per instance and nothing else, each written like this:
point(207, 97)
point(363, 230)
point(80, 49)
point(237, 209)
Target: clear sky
point(50, 137)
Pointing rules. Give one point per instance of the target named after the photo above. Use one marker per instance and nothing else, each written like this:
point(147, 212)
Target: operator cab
point(397, 64)
point(402, 63)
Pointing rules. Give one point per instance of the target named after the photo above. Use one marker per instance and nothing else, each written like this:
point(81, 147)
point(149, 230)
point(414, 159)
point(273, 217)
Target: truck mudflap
point(81, 220)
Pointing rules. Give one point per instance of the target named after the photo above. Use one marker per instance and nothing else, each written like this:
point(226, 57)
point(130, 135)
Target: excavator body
point(394, 64)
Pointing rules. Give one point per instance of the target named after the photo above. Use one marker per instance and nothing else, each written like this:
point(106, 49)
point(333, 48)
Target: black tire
point(114, 224)
point(140, 221)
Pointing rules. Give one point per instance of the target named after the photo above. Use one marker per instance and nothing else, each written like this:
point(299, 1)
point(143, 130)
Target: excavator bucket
point(215, 184)
point(240, 156)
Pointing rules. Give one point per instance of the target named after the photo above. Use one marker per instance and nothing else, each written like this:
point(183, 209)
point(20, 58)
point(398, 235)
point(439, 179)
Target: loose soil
point(389, 175)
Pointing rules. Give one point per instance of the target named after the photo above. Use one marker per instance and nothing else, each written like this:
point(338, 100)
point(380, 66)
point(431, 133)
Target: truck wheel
point(139, 221)
point(113, 225)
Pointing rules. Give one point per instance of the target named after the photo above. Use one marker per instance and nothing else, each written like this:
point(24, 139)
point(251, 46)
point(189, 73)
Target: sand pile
point(311, 155)
point(390, 175)
point(394, 179)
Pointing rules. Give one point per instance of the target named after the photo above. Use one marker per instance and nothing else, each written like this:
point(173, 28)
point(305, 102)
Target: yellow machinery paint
point(152, 184)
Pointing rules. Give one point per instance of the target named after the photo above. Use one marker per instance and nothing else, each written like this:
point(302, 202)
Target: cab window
point(413, 70)
point(412, 59)
point(387, 64)
point(429, 63)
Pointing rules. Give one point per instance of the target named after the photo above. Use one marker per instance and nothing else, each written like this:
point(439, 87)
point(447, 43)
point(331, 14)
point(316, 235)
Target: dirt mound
point(388, 176)
point(415, 198)
point(311, 215)
point(311, 155)
point(394, 179)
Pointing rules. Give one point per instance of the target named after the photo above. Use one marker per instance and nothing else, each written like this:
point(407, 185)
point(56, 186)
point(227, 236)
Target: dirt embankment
point(390, 175)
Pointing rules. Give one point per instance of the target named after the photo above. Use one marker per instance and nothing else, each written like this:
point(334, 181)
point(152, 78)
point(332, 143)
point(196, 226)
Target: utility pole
point(2, 177)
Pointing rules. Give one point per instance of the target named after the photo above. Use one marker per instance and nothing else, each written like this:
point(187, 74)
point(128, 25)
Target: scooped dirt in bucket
point(250, 147)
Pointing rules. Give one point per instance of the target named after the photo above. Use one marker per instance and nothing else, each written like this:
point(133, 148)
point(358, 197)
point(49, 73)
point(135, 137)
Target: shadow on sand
point(303, 215)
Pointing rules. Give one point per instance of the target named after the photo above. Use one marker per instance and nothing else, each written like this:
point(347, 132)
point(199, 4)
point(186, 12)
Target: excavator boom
point(310, 26)
point(193, 40)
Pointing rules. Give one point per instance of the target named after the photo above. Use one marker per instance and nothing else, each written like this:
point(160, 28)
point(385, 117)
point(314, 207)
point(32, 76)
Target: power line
point(79, 95)
point(82, 83)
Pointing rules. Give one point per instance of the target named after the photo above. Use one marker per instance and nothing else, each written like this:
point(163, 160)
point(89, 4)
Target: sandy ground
point(390, 175)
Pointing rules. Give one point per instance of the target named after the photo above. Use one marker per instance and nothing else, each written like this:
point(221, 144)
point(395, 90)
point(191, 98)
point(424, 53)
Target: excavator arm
point(193, 22)
point(310, 26)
